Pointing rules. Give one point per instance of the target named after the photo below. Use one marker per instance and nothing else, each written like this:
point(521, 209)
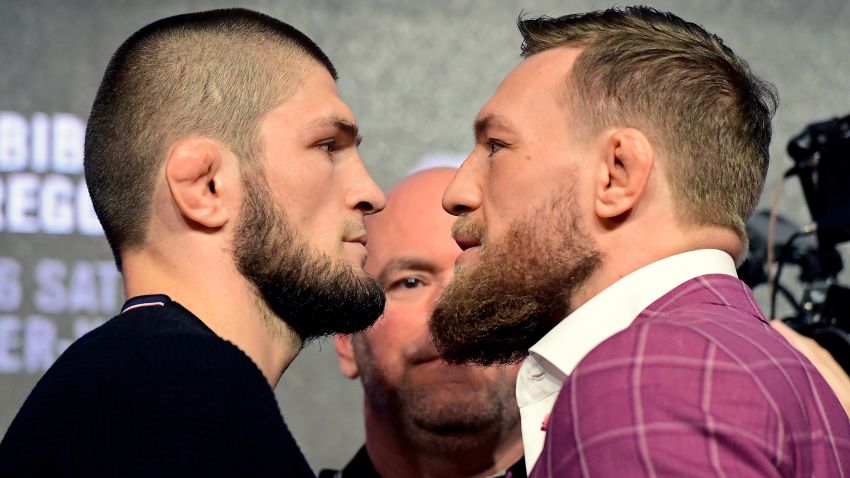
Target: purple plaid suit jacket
point(698, 385)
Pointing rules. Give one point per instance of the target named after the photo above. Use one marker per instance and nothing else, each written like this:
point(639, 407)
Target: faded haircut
point(702, 107)
point(214, 73)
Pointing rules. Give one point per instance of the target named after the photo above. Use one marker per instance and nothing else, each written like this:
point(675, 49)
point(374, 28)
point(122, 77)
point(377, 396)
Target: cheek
point(504, 198)
point(385, 357)
point(403, 321)
point(318, 212)
point(400, 333)
point(309, 197)
point(320, 222)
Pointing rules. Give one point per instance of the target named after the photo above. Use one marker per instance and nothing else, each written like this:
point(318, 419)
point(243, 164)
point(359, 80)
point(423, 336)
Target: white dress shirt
point(555, 356)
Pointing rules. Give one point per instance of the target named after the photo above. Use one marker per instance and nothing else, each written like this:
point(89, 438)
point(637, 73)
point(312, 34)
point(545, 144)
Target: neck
point(479, 453)
point(221, 298)
point(622, 254)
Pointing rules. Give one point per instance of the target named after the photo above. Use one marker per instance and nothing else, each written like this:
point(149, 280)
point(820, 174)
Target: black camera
point(821, 154)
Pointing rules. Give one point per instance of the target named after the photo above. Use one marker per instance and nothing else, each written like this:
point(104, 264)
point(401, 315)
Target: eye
point(494, 146)
point(409, 287)
point(406, 283)
point(328, 146)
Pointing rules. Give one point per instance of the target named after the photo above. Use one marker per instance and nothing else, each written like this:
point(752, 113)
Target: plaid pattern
point(698, 385)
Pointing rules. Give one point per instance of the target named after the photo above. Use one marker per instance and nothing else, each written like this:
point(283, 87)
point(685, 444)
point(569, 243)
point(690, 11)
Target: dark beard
point(519, 290)
point(312, 294)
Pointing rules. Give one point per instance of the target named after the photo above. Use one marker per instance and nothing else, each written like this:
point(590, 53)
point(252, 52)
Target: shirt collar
point(555, 356)
point(143, 301)
point(617, 306)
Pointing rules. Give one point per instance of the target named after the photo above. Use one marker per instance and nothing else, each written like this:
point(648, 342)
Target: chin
point(356, 260)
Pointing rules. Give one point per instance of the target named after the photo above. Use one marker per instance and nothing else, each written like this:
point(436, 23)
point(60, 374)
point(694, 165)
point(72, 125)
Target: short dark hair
point(212, 73)
point(700, 104)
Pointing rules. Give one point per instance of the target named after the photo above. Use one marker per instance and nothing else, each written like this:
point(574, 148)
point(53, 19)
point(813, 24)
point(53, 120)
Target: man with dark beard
point(223, 166)
point(601, 209)
point(423, 417)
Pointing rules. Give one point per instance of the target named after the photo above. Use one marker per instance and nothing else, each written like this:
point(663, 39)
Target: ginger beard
point(495, 310)
point(312, 293)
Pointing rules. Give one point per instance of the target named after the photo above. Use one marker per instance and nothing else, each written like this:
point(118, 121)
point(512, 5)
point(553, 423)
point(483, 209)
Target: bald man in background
point(423, 417)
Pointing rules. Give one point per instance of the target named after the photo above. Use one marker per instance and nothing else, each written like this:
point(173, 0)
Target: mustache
point(466, 227)
point(352, 229)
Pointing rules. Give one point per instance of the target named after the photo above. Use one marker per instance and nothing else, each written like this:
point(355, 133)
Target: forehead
point(312, 102)
point(534, 83)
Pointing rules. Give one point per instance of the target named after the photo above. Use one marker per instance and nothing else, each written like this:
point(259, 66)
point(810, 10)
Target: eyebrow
point(404, 263)
point(347, 128)
point(482, 125)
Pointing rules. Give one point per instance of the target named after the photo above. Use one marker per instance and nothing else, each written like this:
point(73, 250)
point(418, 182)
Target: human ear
point(193, 171)
point(345, 354)
point(623, 173)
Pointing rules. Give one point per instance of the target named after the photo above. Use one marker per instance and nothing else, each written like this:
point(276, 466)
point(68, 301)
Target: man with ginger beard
point(423, 418)
point(420, 420)
point(224, 169)
point(408, 408)
point(601, 211)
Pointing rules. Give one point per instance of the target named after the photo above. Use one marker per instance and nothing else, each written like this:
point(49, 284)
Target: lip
point(427, 360)
point(434, 368)
point(357, 240)
point(469, 254)
point(424, 353)
point(466, 242)
point(438, 371)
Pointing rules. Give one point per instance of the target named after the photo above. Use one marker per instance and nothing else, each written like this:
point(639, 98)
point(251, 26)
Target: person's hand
point(834, 375)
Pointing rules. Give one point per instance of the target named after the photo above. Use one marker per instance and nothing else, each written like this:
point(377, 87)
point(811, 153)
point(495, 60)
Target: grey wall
point(415, 74)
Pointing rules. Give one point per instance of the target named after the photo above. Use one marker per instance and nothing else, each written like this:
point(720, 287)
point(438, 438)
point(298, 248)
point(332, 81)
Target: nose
point(463, 194)
point(365, 195)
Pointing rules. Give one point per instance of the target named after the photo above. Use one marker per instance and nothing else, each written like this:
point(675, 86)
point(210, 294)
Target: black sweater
point(152, 392)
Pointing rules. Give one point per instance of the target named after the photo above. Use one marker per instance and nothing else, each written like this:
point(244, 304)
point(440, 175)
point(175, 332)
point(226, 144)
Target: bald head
point(413, 225)
point(412, 396)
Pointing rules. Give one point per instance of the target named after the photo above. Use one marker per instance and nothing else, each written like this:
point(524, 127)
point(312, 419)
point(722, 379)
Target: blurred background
point(414, 72)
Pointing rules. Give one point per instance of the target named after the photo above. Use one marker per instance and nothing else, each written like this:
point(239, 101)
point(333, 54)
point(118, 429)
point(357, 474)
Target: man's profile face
point(524, 152)
point(412, 255)
point(522, 224)
point(309, 146)
point(301, 238)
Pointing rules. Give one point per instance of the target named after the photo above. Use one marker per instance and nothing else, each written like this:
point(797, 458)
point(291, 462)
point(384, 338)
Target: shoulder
point(167, 336)
point(137, 390)
point(709, 356)
point(168, 364)
point(148, 349)
point(683, 378)
point(708, 323)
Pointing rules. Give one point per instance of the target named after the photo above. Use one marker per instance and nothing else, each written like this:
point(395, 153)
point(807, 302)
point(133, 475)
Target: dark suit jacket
point(698, 385)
